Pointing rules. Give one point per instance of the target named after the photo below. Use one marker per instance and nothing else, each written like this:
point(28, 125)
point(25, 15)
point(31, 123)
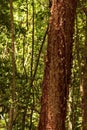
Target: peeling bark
point(57, 71)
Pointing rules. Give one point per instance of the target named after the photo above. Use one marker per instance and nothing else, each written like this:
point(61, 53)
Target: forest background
point(23, 42)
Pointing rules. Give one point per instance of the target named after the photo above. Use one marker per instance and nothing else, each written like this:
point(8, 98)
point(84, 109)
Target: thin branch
point(41, 47)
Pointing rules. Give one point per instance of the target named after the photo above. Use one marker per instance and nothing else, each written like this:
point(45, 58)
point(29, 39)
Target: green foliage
point(4, 13)
point(27, 95)
point(75, 101)
point(28, 86)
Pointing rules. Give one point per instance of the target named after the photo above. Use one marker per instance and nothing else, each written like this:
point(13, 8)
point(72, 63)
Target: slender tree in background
point(32, 63)
point(58, 62)
point(84, 84)
point(76, 80)
point(11, 113)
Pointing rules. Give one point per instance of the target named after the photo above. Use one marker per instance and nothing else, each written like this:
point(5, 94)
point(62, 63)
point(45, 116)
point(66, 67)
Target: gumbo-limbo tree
point(58, 63)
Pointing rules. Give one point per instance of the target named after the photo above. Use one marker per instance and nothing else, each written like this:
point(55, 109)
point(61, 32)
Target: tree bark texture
point(84, 82)
point(57, 71)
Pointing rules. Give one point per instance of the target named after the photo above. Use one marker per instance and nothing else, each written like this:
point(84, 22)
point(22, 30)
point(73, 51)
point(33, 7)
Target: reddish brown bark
point(58, 64)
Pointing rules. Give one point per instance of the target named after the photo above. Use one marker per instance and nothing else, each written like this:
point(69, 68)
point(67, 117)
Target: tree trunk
point(11, 112)
point(24, 118)
point(58, 66)
point(84, 82)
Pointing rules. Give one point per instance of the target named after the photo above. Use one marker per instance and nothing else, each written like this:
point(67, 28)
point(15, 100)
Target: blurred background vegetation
point(30, 21)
